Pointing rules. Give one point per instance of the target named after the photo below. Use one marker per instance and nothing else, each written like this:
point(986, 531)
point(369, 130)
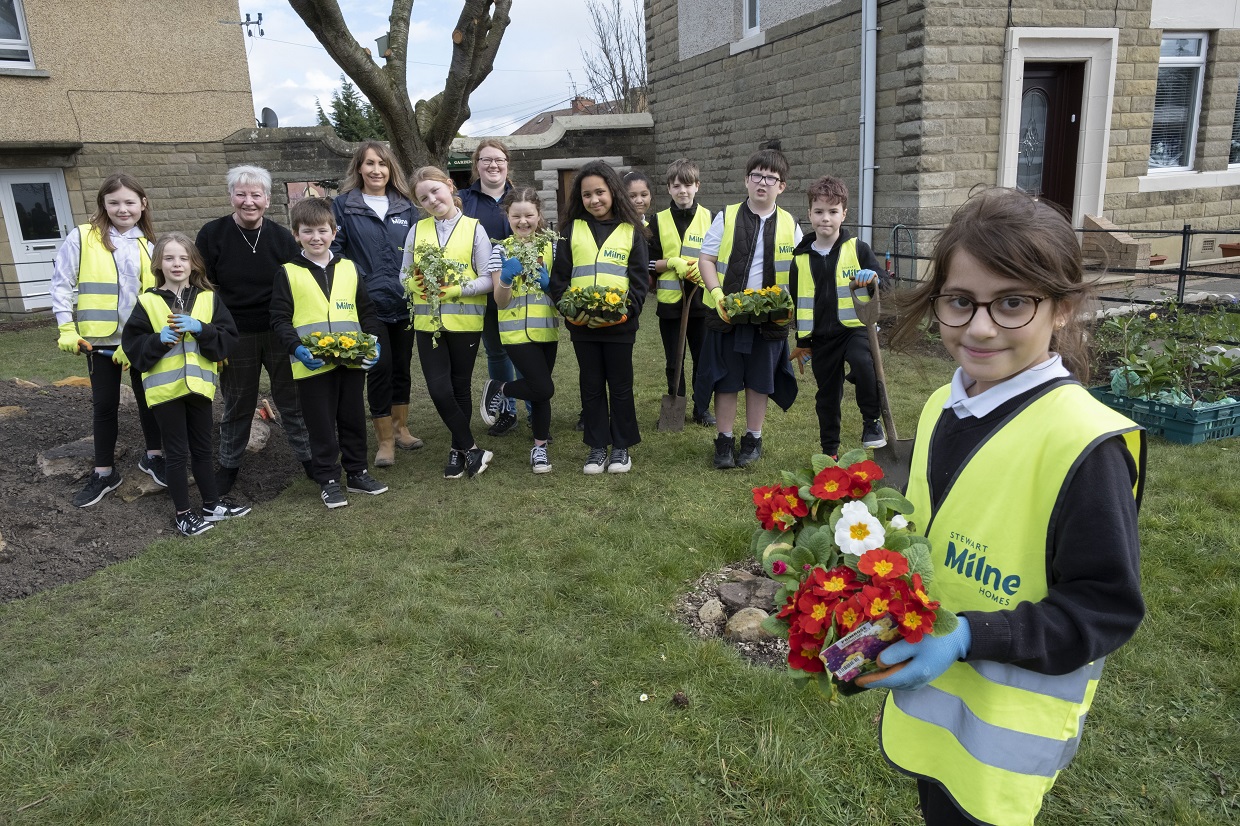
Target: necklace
point(253, 247)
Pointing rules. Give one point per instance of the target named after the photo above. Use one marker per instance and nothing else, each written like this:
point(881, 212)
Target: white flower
point(642, 698)
point(858, 531)
point(898, 522)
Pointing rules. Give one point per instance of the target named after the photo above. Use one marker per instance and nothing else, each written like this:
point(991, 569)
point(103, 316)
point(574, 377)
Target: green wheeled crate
point(1175, 424)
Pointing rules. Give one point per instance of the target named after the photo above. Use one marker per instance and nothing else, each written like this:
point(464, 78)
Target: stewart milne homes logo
point(969, 561)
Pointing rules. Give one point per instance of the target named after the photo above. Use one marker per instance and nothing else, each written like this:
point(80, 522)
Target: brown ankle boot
point(385, 456)
point(400, 428)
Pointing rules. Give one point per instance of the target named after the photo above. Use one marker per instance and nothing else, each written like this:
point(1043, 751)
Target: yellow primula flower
point(326, 340)
point(345, 341)
point(613, 299)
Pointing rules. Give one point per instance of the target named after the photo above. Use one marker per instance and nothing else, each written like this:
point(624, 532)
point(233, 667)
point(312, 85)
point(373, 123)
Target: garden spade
point(896, 457)
point(672, 409)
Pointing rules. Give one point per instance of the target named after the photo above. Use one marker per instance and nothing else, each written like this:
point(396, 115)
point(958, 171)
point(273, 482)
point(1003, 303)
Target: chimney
point(581, 104)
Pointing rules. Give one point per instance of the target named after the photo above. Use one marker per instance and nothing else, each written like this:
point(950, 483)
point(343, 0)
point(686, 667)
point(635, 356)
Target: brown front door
point(1050, 128)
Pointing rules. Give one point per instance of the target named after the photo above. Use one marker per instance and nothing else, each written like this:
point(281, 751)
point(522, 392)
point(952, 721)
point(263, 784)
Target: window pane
point(1234, 157)
point(36, 211)
point(9, 30)
point(1032, 147)
point(1175, 114)
point(1180, 47)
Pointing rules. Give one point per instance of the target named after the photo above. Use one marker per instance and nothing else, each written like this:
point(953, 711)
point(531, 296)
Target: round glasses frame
point(492, 162)
point(974, 305)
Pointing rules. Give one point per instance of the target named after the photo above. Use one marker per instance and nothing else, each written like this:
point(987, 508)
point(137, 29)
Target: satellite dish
point(269, 121)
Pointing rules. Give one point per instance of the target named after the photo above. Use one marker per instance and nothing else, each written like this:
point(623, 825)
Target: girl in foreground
point(1028, 489)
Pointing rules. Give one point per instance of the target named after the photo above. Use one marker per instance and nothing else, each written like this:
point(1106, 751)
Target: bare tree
point(419, 133)
point(615, 60)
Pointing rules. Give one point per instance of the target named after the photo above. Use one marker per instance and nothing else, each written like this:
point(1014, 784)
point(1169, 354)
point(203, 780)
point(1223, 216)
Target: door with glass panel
point(1050, 130)
point(36, 214)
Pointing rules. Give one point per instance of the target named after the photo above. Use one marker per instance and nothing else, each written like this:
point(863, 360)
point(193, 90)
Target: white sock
point(757, 434)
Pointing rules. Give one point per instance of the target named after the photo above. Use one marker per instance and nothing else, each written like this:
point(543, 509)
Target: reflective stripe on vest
point(688, 248)
point(98, 313)
point(785, 241)
point(846, 268)
point(530, 315)
point(607, 266)
point(465, 314)
point(183, 369)
point(314, 312)
point(996, 735)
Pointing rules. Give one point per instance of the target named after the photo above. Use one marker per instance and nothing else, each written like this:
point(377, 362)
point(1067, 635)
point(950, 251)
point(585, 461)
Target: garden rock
point(128, 400)
point(28, 385)
point(755, 592)
point(260, 434)
point(74, 459)
point(712, 616)
point(746, 625)
point(11, 411)
point(73, 381)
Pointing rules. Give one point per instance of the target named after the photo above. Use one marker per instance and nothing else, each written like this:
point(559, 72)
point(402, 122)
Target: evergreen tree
point(353, 118)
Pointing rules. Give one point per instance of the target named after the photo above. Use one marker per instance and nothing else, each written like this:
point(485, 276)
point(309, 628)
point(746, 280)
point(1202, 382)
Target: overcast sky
point(542, 45)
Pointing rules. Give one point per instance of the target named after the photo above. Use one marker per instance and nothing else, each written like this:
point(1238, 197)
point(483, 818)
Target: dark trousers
point(448, 370)
point(105, 397)
point(499, 366)
point(606, 378)
point(695, 335)
point(239, 387)
point(186, 425)
point(336, 421)
point(535, 362)
point(387, 383)
point(829, 353)
point(938, 808)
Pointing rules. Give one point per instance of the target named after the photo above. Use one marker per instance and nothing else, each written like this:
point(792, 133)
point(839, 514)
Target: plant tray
point(1175, 424)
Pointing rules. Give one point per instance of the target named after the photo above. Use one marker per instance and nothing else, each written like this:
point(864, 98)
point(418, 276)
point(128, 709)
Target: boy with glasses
point(748, 246)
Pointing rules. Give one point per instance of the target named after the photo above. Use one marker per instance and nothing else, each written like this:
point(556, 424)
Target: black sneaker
point(539, 461)
point(619, 461)
point(225, 478)
point(596, 462)
point(704, 418)
point(364, 483)
point(96, 488)
point(455, 468)
point(751, 450)
point(505, 423)
point(191, 524)
point(872, 434)
point(223, 509)
point(477, 460)
point(492, 402)
point(332, 495)
point(725, 452)
point(154, 467)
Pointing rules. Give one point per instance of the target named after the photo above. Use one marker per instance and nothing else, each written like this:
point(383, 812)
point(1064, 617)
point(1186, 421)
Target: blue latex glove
point(544, 278)
point(371, 362)
point(508, 273)
point(866, 277)
point(169, 336)
point(186, 324)
point(303, 354)
point(925, 660)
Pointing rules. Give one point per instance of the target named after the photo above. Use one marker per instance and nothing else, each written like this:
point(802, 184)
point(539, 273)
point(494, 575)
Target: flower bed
point(1176, 423)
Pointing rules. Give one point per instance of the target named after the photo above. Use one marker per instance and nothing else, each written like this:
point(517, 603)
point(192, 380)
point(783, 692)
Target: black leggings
point(937, 806)
point(387, 383)
point(105, 396)
point(448, 370)
point(534, 362)
point(606, 380)
point(186, 425)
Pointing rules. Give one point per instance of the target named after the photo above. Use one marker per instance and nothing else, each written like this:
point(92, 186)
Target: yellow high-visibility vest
point(530, 316)
point(785, 242)
point(98, 312)
point(183, 369)
point(465, 314)
point(996, 735)
point(313, 311)
point(846, 268)
point(670, 288)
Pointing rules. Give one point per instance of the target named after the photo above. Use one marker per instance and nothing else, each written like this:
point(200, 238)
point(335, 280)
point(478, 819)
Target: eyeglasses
point(492, 162)
point(765, 180)
point(1011, 312)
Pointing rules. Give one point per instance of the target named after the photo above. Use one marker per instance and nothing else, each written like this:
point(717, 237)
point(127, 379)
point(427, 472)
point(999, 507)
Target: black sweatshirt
point(1093, 558)
point(141, 340)
point(243, 274)
point(822, 270)
point(681, 218)
point(638, 274)
point(282, 303)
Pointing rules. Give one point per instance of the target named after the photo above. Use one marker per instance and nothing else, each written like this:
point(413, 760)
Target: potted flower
point(602, 303)
point(349, 347)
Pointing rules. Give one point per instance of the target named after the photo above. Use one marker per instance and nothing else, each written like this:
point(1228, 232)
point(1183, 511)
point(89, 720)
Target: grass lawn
point(474, 651)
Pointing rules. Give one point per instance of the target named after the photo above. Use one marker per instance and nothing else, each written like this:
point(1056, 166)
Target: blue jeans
point(499, 366)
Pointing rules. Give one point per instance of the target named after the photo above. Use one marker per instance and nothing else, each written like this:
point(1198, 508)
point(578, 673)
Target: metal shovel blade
point(895, 457)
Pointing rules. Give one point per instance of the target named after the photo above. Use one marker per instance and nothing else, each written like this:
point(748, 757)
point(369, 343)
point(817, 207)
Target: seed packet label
point(850, 655)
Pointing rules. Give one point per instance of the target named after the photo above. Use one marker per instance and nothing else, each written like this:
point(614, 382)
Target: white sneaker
point(539, 462)
point(596, 462)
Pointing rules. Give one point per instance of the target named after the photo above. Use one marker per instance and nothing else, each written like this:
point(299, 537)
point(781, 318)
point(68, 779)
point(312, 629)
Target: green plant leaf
point(852, 457)
point(820, 462)
point(945, 622)
point(893, 500)
point(919, 562)
point(775, 549)
point(775, 626)
point(897, 541)
point(761, 538)
point(769, 559)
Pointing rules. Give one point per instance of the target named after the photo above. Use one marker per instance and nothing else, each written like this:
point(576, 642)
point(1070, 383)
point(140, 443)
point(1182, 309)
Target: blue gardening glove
point(865, 278)
point(509, 272)
point(169, 336)
point(371, 362)
point(186, 324)
point(923, 661)
point(68, 339)
point(544, 278)
point(303, 354)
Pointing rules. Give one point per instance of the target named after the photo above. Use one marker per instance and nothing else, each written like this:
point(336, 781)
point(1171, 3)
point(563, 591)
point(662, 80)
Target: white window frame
point(751, 17)
point(1198, 61)
point(23, 41)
